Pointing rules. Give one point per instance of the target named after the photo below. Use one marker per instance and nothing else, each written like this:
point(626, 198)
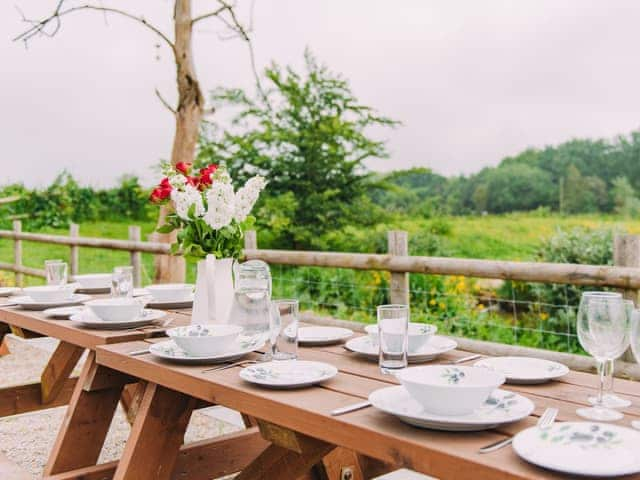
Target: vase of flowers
point(210, 219)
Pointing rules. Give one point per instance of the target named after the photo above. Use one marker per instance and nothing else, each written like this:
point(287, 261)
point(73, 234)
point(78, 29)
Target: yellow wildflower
point(442, 306)
point(432, 301)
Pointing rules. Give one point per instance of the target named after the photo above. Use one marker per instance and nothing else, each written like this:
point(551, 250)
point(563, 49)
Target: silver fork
point(463, 359)
point(230, 365)
point(545, 421)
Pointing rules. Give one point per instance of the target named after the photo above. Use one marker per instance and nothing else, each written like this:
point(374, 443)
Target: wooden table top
point(70, 332)
point(445, 455)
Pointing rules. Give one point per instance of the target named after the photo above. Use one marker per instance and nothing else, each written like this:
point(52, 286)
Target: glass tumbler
point(393, 327)
point(284, 329)
point(122, 282)
point(56, 272)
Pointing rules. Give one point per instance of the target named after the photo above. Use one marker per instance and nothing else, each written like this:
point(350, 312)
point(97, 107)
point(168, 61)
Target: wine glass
point(635, 347)
point(603, 331)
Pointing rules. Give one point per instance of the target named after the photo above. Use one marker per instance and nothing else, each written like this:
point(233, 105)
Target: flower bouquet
point(210, 219)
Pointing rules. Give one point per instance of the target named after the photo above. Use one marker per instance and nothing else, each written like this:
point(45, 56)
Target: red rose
point(193, 181)
point(184, 167)
point(205, 175)
point(164, 183)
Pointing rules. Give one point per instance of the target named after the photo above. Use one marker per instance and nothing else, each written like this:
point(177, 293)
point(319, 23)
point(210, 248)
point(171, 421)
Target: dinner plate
point(581, 448)
point(27, 303)
point(501, 407)
point(242, 346)
point(288, 373)
point(524, 370)
point(171, 304)
point(63, 312)
point(436, 345)
point(89, 320)
point(94, 291)
point(322, 335)
point(6, 291)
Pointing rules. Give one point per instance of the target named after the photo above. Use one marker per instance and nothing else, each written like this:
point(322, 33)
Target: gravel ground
point(27, 439)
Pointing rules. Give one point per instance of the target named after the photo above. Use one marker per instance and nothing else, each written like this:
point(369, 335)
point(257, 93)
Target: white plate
point(436, 345)
point(94, 291)
point(140, 292)
point(501, 407)
point(27, 303)
point(288, 373)
point(63, 312)
point(242, 346)
point(322, 335)
point(89, 320)
point(6, 291)
point(524, 370)
point(173, 304)
point(581, 448)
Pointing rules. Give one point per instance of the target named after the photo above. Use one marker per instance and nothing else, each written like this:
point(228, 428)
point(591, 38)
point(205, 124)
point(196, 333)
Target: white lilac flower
point(178, 181)
point(184, 199)
point(247, 196)
point(221, 205)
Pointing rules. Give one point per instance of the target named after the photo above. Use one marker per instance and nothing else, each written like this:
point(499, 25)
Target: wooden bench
point(11, 471)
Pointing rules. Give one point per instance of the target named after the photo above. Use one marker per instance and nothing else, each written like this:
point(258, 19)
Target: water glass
point(284, 329)
point(122, 282)
point(393, 339)
point(56, 272)
point(603, 331)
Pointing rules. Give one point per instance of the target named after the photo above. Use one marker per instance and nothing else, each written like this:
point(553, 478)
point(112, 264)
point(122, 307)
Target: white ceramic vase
point(214, 291)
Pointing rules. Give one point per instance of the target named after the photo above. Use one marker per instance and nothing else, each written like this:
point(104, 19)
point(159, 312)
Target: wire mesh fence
point(535, 315)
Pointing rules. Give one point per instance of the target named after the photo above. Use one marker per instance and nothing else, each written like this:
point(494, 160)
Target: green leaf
point(166, 228)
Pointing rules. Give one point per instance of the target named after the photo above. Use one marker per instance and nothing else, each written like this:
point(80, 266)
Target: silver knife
point(351, 408)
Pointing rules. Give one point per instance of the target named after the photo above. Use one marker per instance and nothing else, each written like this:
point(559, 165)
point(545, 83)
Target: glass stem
point(602, 375)
point(609, 384)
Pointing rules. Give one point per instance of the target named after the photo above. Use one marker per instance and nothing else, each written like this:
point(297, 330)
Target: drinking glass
point(603, 331)
point(393, 339)
point(122, 282)
point(635, 347)
point(56, 272)
point(284, 329)
point(609, 399)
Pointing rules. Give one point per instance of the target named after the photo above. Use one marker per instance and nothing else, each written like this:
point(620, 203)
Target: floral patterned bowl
point(201, 340)
point(419, 334)
point(450, 390)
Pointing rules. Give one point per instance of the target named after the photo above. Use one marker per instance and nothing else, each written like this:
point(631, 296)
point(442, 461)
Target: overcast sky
point(472, 81)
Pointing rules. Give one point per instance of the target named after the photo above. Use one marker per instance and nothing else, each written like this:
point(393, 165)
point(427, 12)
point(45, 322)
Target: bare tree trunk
point(188, 116)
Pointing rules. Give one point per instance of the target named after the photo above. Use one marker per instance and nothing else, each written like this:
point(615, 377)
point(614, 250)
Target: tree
point(625, 201)
point(191, 108)
point(583, 193)
point(307, 135)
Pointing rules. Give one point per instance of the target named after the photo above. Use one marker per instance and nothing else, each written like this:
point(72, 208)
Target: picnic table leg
point(290, 456)
point(157, 434)
point(58, 369)
point(87, 419)
point(4, 346)
point(131, 399)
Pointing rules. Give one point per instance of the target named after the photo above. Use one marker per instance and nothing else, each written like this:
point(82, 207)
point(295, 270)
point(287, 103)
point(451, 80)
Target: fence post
point(626, 253)
point(17, 252)
point(250, 240)
point(134, 236)
point(398, 244)
point(74, 230)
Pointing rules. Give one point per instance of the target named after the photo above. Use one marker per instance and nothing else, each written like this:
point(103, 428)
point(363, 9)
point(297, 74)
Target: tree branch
point(39, 27)
point(215, 13)
point(164, 102)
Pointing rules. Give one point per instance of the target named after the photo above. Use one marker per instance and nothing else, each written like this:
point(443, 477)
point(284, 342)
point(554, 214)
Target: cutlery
point(350, 408)
point(544, 422)
point(463, 359)
point(231, 365)
point(138, 352)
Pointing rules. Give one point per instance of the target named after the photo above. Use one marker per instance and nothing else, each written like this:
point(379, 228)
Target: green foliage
point(306, 135)
point(625, 201)
point(66, 201)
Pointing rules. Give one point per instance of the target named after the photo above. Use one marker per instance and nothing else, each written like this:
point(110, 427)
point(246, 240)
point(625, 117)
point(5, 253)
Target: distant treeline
point(579, 176)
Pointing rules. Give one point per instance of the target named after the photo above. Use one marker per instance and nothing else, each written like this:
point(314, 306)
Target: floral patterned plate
point(436, 345)
point(288, 373)
point(501, 407)
point(524, 370)
point(242, 346)
point(322, 335)
point(581, 448)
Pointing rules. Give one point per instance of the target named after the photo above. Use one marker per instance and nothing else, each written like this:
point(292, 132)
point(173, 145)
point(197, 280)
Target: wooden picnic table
point(56, 386)
point(297, 429)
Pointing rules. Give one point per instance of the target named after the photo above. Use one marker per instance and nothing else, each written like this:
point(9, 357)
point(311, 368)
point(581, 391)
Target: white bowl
point(94, 281)
point(116, 309)
point(171, 292)
point(203, 340)
point(419, 334)
point(50, 293)
point(450, 390)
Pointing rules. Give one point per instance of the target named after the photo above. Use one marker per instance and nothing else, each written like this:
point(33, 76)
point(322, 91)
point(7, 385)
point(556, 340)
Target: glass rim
point(122, 267)
point(54, 262)
point(602, 294)
point(392, 306)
